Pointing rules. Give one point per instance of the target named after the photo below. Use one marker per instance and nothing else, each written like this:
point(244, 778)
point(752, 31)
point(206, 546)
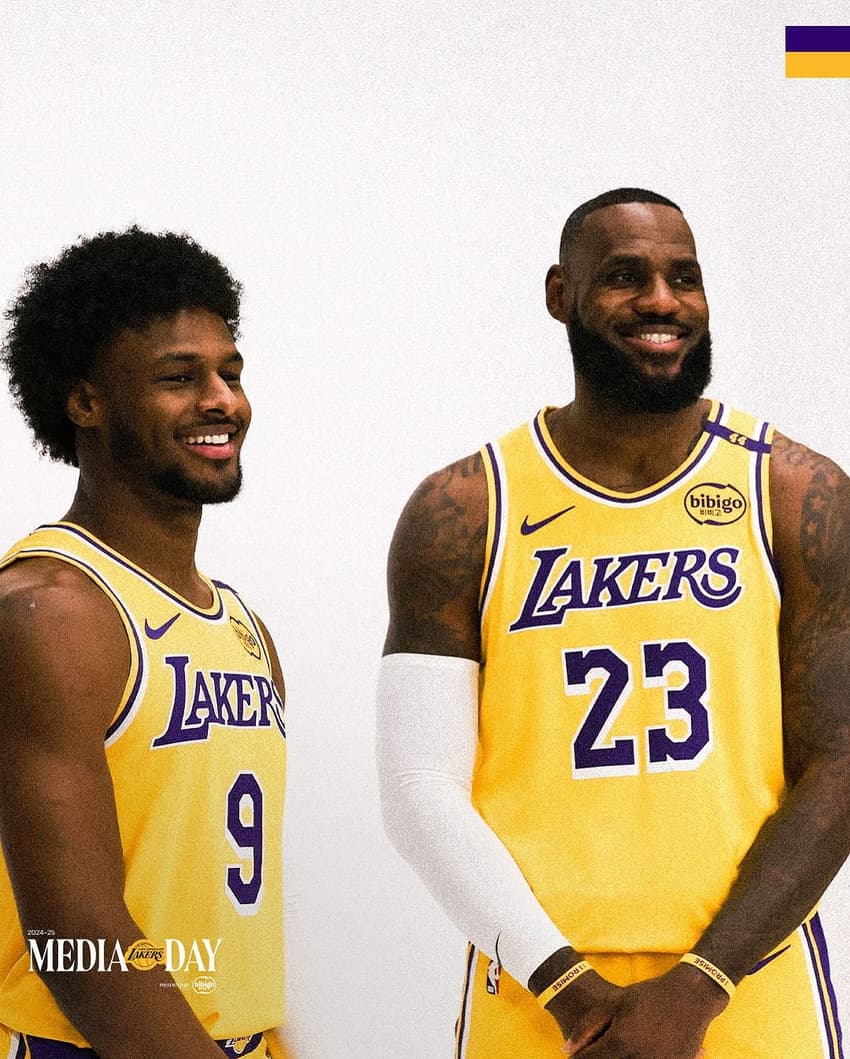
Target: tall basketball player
point(143, 757)
point(614, 711)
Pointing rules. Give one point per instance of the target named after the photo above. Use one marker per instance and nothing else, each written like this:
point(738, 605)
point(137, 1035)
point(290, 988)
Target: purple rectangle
point(817, 38)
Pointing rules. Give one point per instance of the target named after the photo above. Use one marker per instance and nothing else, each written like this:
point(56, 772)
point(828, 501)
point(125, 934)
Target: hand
point(578, 1004)
point(662, 1018)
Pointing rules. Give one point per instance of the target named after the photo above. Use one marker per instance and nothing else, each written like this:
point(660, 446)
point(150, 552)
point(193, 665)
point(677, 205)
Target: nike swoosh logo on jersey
point(155, 634)
point(767, 960)
point(532, 527)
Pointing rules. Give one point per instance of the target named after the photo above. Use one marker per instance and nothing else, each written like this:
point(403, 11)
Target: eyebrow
point(177, 357)
point(638, 261)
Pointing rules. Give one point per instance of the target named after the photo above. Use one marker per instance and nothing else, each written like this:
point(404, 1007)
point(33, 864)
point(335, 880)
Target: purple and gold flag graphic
point(817, 51)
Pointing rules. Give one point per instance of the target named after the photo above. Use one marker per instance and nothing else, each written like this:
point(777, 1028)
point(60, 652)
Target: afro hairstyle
point(71, 308)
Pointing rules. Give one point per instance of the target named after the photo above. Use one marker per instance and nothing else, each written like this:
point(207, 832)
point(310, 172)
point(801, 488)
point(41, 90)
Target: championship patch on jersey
point(245, 637)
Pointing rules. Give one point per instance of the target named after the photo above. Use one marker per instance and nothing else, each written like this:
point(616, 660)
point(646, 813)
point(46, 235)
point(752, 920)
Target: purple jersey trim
point(42, 1048)
point(816, 941)
point(763, 452)
point(121, 561)
point(21, 1051)
point(740, 440)
point(461, 1026)
point(637, 498)
point(494, 550)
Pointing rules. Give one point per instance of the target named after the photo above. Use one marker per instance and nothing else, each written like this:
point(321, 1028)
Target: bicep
point(436, 563)
point(812, 542)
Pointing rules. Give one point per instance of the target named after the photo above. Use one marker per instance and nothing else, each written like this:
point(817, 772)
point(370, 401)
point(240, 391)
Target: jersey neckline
point(551, 455)
point(212, 612)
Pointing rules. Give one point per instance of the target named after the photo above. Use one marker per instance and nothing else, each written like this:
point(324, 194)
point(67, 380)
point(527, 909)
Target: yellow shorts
point(25, 1046)
point(785, 1006)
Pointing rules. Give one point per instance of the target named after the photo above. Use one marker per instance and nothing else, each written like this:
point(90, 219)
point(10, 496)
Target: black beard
point(127, 451)
point(612, 376)
point(177, 485)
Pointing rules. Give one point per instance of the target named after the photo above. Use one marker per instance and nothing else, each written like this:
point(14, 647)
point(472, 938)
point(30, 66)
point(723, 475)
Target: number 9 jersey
point(197, 754)
point(630, 729)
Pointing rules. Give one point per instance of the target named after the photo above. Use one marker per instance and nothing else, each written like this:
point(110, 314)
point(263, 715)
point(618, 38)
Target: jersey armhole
point(496, 510)
point(761, 491)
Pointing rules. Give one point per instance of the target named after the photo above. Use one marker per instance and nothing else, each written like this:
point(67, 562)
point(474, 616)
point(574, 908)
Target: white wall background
point(389, 181)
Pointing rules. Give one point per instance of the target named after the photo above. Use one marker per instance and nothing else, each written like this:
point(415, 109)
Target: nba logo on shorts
point(494, 972)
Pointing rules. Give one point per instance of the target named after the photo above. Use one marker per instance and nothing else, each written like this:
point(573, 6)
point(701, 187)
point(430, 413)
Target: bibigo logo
point(715, 504)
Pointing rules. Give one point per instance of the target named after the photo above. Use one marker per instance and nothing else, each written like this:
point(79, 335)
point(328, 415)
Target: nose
point(657, 297)
point(216, 395)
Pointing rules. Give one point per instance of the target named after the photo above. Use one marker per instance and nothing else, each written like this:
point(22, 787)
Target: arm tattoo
point(816, 629)
point(436, 564)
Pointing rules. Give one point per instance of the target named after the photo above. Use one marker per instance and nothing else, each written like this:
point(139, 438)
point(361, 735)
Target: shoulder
point(63, 647)
point(43, 588)
point(436, 562)
point(455, 493)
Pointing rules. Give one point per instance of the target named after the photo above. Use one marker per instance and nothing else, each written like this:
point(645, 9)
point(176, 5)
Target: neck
point(624, 451)
point(160, 538)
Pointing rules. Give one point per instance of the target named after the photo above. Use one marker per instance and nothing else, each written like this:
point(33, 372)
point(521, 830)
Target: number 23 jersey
point(197, 755)
point(630, 731)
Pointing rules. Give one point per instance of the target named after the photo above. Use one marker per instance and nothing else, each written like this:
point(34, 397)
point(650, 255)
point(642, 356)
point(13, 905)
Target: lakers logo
point(715, 504)
point(246, 637)
point(144, 955)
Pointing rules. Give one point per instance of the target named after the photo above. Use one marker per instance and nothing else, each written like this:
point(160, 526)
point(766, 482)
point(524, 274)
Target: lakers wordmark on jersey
point(197, 755)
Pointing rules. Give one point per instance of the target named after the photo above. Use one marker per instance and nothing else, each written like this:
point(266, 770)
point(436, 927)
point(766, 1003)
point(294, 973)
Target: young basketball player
point(614, 734)
point(143, 754)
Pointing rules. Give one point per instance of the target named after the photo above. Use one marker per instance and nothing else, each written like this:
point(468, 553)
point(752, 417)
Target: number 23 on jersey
point(680, 672)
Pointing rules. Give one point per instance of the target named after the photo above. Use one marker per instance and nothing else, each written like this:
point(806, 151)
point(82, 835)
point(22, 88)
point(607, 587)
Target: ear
point(83, 405)
point(558, 294)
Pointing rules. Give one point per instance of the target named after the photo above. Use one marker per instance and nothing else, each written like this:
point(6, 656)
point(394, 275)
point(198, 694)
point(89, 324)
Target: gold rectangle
point(817, 64)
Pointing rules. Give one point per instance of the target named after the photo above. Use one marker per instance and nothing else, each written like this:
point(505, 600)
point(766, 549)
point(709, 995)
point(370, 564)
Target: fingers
point(587, 1029)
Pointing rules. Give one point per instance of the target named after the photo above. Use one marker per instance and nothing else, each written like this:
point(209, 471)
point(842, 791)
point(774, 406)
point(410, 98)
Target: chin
point(181, 487)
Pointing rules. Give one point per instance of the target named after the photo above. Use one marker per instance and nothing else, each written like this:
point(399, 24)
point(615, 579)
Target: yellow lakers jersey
point(630, 711)
point(197, 755)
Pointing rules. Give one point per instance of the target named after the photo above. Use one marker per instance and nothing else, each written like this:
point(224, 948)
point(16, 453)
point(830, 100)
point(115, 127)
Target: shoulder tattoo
point(436, 563)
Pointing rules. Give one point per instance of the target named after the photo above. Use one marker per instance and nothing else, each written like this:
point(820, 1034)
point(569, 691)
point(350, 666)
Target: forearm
point(793, 859)
point(427, 708)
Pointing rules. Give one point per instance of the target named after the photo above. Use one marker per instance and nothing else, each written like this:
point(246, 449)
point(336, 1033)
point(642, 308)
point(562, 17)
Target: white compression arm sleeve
point(426, 741)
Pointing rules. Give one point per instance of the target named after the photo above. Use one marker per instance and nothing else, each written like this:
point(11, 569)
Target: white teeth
point(209, 439)
point(657, 337)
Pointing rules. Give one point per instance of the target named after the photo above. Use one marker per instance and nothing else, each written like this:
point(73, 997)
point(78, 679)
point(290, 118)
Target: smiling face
point(168, 407)
point(630, 293)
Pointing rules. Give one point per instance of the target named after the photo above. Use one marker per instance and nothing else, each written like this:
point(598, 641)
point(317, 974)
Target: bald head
point(618, 196)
